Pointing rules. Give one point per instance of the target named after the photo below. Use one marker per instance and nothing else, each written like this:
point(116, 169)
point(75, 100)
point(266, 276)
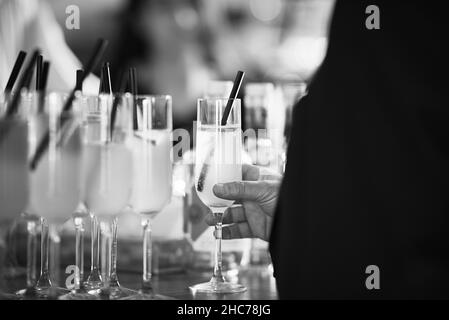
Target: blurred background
point(178, 48)
point(179, 45)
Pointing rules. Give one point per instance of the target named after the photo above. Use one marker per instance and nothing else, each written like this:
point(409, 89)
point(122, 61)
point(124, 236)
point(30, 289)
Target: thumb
point(240, 190)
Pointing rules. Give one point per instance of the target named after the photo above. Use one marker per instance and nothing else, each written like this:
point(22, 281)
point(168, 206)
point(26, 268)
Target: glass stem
point(105, 253)
point(44, 279)
point(54, 254)
point(94, 278)
point(79, 252)
point(113, 281)
point(31, 254)
point(218, 276)
point(147, 286)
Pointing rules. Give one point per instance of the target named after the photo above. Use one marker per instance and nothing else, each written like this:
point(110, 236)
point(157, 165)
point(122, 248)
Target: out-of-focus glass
point(107, 177)
point(55, 180)
point(152, 176)
point(14, 187)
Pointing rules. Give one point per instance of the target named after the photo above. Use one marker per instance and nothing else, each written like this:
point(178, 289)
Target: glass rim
point(166, 96)
point(218, 99)
point(124, 94)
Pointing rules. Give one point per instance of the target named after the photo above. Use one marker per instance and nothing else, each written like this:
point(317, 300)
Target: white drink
point(56, 181)
point(218, 160)
point(152, 171)
point(14, 179)
point(107, 172)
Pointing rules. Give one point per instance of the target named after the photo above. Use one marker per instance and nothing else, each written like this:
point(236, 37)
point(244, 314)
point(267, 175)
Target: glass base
point(27, 294)
point(8, 296)
point(147, 296)
point(214, 286)
point(78, 295)
point(93, 282)
point(115, 293)
point(51, 293)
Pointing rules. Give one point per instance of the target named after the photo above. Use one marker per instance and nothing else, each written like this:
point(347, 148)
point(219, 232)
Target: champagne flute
point(93, 132)
point(107, 178)
point(217, 160)
point(152, 177)
point(55, 182)
point(14, 187)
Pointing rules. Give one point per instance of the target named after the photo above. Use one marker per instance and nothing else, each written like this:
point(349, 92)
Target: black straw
point(43, 85)
point(26, 77)
point(117, 99)
point(106, 72)
point(234, 92)
point(39, 66)
point(79, 82)
point(15, 72)
point(97, 54)
point(133, 84)
point(233, 95)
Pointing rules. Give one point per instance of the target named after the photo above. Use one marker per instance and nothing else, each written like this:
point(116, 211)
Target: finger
point(237, 231)
point(250, 172)
point(240, 190)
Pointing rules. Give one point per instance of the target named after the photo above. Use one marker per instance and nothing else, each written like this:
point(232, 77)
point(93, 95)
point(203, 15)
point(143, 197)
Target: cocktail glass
point(152, 174)
point(218, 160)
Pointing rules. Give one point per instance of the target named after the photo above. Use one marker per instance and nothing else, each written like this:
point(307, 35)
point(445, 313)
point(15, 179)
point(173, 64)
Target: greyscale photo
point(223, 155)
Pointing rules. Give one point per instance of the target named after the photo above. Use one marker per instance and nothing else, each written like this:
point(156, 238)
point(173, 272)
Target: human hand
point(257, 195)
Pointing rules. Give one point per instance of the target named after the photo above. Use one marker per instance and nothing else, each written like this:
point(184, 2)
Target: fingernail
point(218, 188)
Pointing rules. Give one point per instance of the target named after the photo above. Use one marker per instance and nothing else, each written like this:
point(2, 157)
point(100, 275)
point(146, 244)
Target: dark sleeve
point(367, 173)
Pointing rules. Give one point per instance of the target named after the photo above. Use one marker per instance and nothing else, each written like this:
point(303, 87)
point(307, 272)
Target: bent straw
point(91, 64)
point(15, 72)
point(232, 96)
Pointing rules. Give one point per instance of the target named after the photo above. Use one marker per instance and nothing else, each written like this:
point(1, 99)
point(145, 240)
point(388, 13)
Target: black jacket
point(367, 176)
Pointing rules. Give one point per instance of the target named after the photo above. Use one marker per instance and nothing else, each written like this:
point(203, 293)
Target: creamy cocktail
point(13, 169)
point(218, 160)
point(152, 181)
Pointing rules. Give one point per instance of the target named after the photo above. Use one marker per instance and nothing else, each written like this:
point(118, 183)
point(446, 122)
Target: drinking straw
point(107, 88)
point(39, 66)
point(12, 106)
point(44, 76)
point(101, 87)
point(133, 84)
point(117, 99)
point(79, 83)
point(43, 85)
point(232, 96)
point(15, 72)
point(26, 76)
point(91, 64)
